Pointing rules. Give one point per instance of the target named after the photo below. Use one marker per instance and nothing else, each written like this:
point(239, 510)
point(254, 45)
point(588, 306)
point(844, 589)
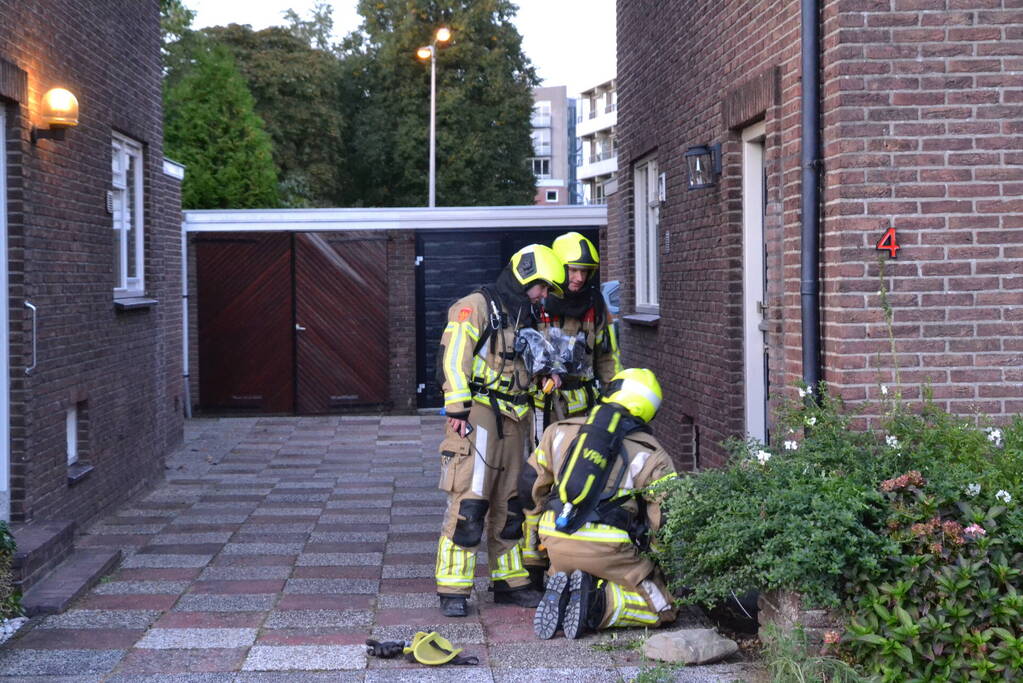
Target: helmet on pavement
point(576, 251)
point(637, 390)
point(537, 264)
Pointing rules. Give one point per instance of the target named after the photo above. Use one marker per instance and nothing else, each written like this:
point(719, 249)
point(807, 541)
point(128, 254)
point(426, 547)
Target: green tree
point(484, 104)
point(301, 95)
point(211, 127)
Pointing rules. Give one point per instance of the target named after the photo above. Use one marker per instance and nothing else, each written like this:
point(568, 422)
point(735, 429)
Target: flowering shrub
point(914, 527)
point(10, 603)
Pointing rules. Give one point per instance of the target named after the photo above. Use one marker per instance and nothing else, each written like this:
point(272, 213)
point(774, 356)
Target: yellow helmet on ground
point(537, 264)
point(576, 251)
point(637, 390)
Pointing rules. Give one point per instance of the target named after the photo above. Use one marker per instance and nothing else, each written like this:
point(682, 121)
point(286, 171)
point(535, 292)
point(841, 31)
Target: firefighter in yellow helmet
point(581, 310)
point(488, 404)
point(593, 479)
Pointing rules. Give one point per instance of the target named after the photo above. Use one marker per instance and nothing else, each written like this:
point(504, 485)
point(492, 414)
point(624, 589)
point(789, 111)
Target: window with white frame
point(552, 195)
point(542, 141)
point(541, 114)
point(646, 212)
point(541, 168)
point(129, 217)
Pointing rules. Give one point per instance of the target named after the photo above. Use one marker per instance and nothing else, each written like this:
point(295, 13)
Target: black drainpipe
point(809, 286)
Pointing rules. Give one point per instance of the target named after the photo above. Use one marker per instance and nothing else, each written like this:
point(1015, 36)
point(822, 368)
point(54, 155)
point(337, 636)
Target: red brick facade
point(922, 103)
point(121, 367)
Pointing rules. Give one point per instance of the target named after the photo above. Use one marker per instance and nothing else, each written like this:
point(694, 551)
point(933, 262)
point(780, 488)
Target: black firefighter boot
point(551, 609)
point(523, 596)
point(454, 605)
point(585, 608)
point(537, 577)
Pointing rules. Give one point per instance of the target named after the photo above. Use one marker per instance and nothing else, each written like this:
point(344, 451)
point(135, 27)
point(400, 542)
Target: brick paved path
point(274, 548)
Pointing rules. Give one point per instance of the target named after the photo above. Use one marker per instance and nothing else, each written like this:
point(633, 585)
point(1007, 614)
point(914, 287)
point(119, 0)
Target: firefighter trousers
point(480, 475)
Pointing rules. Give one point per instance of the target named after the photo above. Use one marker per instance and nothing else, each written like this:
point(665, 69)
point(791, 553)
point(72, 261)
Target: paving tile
point(156, 574)
point(253, 561)
point(555, 654)
point(190, 661)
point(348, 537)
point(246, 586)
point(408, 600)
point(568, 675)
point(319, 619)
point(15, 662)
point(408, 571)
point(76, 639)
point(98, 619)
point(343, 518)
point(313, 636)
point(305, 658)
point(339, 559)
point(313, 602)
point(286, 511)
point(263, 548)
point(346, 547)
point(192, 638)
point(336, 572)
point(127, 602)
point(196, 602)
point(459, 631)
point(461, 674)
point(217, 573)
point(141, 587)
point(167, 561)
point(329, 586)
point(211, 620)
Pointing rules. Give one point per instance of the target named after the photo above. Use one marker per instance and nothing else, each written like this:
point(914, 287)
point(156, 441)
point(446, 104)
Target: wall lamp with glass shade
point(704, 166)
point(58, 112)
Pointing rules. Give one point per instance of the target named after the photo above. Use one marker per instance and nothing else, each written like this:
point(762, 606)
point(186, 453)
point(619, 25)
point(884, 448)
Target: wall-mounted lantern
point(704, 166)
point(58, 112)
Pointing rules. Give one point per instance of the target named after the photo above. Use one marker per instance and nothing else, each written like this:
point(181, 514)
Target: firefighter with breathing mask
point(488, 402)
point(581, 310)
point(593, 480)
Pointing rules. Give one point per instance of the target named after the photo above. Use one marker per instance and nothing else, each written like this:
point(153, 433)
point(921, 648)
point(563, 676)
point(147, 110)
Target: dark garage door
point(452, 264)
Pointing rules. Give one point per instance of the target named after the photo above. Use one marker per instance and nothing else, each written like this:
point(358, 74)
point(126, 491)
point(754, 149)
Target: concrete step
point(42, 546)
point(77, 574)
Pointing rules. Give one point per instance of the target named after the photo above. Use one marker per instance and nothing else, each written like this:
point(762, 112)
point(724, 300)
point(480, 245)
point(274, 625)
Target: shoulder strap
point(495, 316)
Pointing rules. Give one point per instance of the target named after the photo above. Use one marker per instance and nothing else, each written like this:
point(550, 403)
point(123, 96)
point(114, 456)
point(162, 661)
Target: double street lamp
point(441, 36)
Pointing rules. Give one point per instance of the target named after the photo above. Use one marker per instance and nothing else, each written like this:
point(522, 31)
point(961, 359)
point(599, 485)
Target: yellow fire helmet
point(535, 264)
point(576, 251)
point(637, 390)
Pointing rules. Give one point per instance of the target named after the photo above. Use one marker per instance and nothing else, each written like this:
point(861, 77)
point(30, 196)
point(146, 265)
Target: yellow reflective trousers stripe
point(509, 566)
point(456, 566)
point(600, 533)
point(628, 608)
point(530, 543)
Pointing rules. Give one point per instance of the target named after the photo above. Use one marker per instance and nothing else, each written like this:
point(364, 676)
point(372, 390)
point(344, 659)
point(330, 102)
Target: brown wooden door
point(245, 322)
point(341, 312)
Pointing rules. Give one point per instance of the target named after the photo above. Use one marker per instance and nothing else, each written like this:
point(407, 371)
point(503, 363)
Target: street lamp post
point(442, 35)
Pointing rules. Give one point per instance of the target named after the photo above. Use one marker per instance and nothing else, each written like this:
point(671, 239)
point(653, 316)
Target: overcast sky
point(570, 42)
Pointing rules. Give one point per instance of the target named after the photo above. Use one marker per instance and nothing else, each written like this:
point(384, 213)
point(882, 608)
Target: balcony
point(541, 121)
point(599, 164)
point(596, 121)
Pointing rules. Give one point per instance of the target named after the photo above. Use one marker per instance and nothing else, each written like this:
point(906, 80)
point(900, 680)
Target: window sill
point(642, 319)
point(134, 303)
point(78, 472)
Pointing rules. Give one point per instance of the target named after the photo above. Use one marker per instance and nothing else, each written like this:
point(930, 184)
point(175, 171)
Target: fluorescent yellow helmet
point(536, 264)
point(637, 390)
point(576, 251)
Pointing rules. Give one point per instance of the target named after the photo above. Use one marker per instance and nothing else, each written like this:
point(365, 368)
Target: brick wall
point(124, 367)
point(921, 112)
point(693, 73)
point(923, 132)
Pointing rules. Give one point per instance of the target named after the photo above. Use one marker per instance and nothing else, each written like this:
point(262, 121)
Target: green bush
point(10, 599)
point(914, 526)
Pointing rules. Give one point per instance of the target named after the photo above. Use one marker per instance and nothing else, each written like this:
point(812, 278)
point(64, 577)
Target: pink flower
point(974, 531)
point(831, 637)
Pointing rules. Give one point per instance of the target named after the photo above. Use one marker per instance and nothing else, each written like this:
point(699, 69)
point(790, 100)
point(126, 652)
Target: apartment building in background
point(596, 147)
point(553, 122)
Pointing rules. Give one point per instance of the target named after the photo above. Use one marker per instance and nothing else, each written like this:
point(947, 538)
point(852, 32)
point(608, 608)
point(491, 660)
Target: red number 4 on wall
point(888, 242)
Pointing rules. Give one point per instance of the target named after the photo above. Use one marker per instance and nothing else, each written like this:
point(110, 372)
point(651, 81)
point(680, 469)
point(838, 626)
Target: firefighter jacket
point(602, 344)
point(493, 372)
point(647, 462)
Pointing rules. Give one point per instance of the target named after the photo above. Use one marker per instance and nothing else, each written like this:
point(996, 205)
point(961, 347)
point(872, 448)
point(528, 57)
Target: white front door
point(5, 407)
point(754, 269)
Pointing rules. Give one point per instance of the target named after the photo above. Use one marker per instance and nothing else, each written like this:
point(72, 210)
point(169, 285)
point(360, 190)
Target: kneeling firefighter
point(488, 433)
point(593, 477)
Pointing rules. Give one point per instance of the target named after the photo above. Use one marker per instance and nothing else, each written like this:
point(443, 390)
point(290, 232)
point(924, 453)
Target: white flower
point(1004, 496)
point(811, 420)
point(972, 490)
point(884, 390)
point(803, 392)
point(791, 445)
point(892, 441)
point(994, 435)
point(763, 457)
